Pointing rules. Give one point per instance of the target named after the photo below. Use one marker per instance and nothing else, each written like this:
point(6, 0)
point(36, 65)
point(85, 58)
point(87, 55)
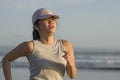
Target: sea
point(91, 65)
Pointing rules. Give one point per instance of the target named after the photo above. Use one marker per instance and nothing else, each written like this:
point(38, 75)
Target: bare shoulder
point(23, 49)
point(27, 47)
point(67, 44)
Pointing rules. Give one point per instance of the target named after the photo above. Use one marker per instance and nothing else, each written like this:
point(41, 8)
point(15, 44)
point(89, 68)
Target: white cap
point(43, 13)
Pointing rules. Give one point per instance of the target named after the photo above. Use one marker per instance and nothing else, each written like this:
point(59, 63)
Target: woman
point(48, 57)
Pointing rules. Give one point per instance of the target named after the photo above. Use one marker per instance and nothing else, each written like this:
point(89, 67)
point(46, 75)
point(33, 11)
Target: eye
point(52, 18)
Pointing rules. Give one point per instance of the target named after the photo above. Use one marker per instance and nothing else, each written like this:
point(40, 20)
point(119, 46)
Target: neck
point(47, 40)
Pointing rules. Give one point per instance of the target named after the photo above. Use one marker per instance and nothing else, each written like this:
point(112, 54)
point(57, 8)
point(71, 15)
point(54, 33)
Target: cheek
point(42, 25)
point(55, 25)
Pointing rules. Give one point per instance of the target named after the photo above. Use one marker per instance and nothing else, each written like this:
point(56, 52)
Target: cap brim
point(49, 15)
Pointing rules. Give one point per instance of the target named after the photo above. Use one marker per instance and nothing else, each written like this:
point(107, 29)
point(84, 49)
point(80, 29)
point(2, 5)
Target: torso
point(46, 61)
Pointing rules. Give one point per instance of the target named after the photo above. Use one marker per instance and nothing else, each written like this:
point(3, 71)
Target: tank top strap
point(62, 45)
point(35, 46)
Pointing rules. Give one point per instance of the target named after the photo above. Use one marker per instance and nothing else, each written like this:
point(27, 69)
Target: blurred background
point(92, 26)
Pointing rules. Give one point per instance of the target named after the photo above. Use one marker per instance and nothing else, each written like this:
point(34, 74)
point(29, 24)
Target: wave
point(82, 61)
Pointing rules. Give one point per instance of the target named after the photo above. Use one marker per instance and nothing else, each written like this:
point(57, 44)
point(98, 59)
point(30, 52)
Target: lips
point(51, 27)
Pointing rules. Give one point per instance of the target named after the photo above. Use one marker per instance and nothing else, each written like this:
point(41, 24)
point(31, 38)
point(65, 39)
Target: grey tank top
point(47, 62)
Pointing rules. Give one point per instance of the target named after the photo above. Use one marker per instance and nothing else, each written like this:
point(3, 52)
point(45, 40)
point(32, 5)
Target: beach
point(82, 74)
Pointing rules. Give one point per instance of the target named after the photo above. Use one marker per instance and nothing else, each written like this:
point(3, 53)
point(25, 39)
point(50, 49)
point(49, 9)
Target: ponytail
point(36, 34)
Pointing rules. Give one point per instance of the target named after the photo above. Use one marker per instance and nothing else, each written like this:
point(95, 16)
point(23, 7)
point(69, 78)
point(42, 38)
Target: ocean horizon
point(90, 59)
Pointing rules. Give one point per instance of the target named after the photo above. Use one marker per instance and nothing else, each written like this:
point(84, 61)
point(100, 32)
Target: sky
point(87, 24)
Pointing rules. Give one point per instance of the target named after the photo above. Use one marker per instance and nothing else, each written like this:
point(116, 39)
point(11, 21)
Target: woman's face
point(47, 26)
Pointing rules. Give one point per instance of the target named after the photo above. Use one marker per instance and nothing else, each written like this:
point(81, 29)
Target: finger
point(67, 52)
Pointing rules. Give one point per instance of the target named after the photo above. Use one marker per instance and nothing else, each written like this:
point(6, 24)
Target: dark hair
point(36, 34)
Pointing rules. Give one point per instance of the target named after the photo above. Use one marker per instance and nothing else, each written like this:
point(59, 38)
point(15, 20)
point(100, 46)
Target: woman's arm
point(23, 49)
point(69, 56)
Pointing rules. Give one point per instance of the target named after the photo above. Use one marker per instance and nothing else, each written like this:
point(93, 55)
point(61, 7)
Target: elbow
point(71, 71)
point(73, 75)
point(5, 61)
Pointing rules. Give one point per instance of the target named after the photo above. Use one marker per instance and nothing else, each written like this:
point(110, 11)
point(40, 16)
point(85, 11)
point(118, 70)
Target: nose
point(50, 20)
